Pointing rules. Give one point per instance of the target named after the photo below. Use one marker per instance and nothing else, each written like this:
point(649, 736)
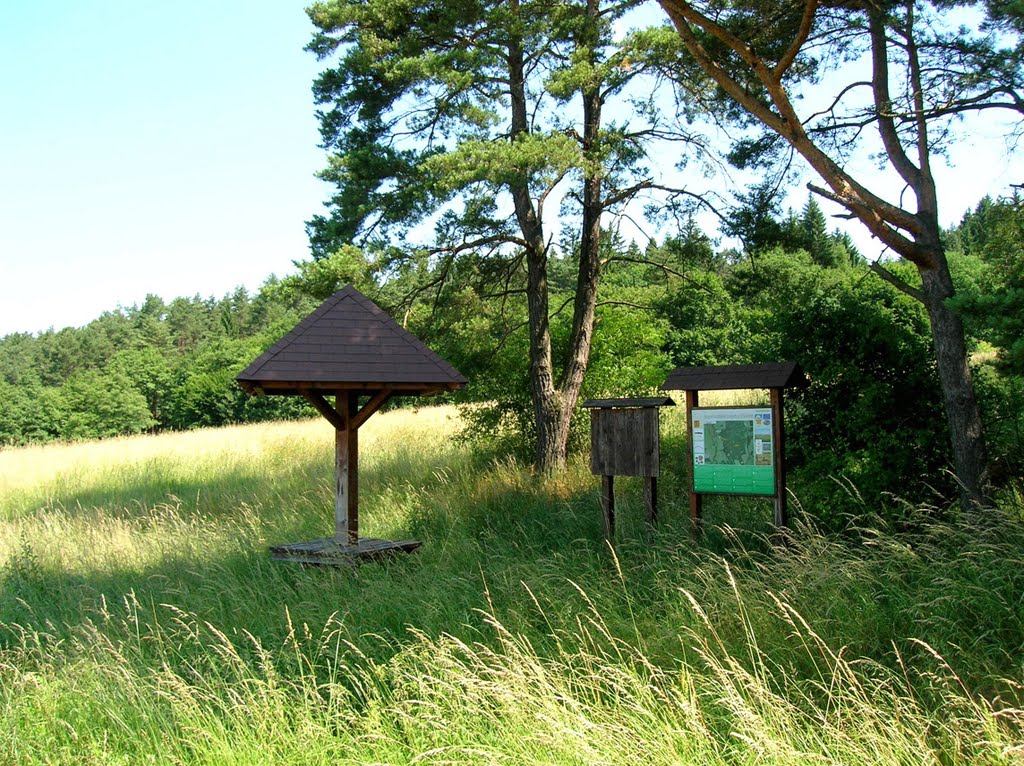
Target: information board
point(733, 450)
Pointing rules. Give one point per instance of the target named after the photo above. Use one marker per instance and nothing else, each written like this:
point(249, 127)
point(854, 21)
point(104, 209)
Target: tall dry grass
point(141, 619)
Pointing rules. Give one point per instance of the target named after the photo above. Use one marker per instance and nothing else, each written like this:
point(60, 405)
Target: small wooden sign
point(625, 441)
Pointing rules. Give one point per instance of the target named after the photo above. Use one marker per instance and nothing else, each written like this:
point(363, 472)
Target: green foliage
point(204, 392)
point(707, 326)
point(30, 413)
point(754, 220)
point(824, 250)
point(1001, 398)
point(690, 250)
point(320, 278)
point(626, 359)
point(991, 274)
point(153, 366)
point(987, 263)
point(99, 404)
point(149, 372)
point(873, 389)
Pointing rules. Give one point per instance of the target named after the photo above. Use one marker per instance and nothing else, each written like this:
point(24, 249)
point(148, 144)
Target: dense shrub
point(872, 415)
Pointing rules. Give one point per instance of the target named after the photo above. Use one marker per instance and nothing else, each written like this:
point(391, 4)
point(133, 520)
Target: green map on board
point(730, 442)
point(733, 451)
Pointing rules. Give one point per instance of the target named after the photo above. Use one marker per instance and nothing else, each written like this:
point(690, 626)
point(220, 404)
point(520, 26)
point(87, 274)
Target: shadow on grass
point(498, 542)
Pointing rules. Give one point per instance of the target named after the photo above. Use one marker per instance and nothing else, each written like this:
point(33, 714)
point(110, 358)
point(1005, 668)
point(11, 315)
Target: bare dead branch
point(627, 304)
point(664, 267)
point(896, 282)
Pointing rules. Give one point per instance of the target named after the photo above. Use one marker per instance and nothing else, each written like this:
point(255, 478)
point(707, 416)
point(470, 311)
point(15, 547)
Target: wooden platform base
point(328, 552)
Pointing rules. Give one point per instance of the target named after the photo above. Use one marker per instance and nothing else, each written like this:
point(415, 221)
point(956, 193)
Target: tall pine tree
point(455, 129)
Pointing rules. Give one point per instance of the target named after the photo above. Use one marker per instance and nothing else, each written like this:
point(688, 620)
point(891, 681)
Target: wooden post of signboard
point(608, 505)
point(651, 500)
point(696, 500)
point(781, 511)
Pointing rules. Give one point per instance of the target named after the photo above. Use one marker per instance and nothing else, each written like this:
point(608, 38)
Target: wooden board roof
point(735, 376)
point(349, 343)
point(604, 404)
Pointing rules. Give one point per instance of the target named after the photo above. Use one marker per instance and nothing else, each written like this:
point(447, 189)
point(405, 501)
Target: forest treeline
point(794, 290)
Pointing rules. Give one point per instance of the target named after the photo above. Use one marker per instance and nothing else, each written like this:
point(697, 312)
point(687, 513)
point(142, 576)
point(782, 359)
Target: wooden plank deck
point(329, 552)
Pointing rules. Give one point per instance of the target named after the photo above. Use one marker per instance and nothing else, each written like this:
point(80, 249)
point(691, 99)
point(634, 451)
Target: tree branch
point(881, 228)
point(880, 217)
point(664, 267)
point(896, 282)
point(627, 304)
point(839, 97)
point(883, 101)
point(806, 23)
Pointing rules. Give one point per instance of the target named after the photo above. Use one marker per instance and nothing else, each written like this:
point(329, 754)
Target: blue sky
point(150, 147)
point(171, 149)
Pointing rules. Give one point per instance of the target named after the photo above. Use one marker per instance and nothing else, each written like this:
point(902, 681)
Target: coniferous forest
point(793, 291)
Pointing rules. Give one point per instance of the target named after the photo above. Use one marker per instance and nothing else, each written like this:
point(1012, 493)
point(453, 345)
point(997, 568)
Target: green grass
point(142, 620)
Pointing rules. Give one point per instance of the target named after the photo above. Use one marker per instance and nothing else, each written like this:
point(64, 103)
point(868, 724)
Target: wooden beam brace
point(376, 402)
point(321, 406)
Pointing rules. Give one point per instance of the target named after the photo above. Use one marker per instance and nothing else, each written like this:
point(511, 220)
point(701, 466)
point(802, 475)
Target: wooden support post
point(608, 505)
point(651, 499)
point(781, 511)
point(346, 454)
point(696, 500)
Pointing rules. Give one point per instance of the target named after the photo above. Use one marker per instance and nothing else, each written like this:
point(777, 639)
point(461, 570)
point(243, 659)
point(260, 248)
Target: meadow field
point(143, 621)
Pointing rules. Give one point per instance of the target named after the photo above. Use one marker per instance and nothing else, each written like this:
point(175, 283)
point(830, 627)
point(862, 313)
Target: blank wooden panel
point(624, 442)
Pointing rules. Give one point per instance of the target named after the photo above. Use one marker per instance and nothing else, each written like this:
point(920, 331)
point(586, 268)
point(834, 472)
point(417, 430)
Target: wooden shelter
point(774, 376)
point(625, 440)
point(348, 349)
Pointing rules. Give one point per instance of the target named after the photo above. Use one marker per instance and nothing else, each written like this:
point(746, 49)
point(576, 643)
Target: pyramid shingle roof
point(347, 343)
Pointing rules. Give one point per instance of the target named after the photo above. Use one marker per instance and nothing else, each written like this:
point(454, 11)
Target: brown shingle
point(349, 342)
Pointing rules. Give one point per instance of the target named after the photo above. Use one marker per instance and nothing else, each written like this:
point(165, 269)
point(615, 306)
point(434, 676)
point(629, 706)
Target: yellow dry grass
point(22, 467)
point(56, 469)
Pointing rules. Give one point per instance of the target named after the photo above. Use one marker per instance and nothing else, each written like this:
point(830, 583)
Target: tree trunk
point(914, 236)
point(962, 414)
point(553, 405)
point(588, 273)
point(552, 428)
